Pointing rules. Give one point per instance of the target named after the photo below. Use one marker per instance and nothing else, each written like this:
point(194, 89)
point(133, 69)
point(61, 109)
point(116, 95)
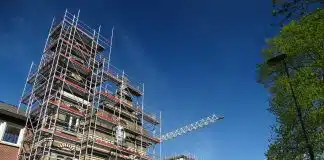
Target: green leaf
point(303, 43)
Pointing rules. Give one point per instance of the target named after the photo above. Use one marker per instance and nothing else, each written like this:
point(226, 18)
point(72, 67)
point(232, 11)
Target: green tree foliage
point(303, 43)
point(294, 9)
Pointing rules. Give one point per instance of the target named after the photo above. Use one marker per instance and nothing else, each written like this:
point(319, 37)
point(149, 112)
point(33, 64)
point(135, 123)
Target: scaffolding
point(186, 156)
point(79, 106)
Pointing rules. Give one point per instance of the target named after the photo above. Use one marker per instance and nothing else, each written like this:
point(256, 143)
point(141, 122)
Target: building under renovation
point(79, 106)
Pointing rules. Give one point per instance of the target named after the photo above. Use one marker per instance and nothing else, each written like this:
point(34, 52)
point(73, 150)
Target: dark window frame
point(10, 136)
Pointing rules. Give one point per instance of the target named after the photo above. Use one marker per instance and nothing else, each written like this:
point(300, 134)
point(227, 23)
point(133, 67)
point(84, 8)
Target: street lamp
point(282, 59)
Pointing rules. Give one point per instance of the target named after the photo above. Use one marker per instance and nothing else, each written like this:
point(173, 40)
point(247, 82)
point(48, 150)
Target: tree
point(288, 10)
point(303, 43)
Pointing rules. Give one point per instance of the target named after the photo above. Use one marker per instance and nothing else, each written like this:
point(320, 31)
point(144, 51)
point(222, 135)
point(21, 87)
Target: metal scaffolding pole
point(69, 79)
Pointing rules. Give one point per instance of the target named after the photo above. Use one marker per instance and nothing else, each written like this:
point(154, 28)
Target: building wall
point(10, 141)
point(8, 152)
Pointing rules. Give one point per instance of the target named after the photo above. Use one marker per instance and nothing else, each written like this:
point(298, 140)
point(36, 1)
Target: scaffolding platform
point(71, 114)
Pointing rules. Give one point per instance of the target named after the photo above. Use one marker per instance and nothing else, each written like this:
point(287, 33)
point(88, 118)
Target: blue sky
point(195, 58)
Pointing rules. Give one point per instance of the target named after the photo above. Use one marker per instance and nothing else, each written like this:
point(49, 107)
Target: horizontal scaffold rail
point(114, 120)
point(148, 117)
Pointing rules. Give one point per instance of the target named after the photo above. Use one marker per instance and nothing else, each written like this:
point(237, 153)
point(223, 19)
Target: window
point(11, 134)
point(71, 123)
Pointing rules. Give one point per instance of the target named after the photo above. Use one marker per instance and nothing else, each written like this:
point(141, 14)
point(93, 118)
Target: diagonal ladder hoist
point(191, 127)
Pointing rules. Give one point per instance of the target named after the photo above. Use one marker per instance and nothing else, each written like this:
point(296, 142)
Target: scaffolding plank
point(72, 84)
point(107, 117)
point(113, 146)
point(62, 135)
point(67, 108)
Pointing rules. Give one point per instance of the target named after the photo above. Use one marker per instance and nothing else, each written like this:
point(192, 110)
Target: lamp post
point(282, 59)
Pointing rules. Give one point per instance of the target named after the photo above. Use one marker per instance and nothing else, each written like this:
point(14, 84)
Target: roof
point(11, 111)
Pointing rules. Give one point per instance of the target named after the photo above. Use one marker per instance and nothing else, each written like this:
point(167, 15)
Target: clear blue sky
point(195, 57)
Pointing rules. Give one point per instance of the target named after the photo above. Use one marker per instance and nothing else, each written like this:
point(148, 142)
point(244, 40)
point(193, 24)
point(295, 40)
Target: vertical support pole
point(42, 107)
point(109, 54)
point(49, 33)
point(22, 95)
point(160, 135)
point(88, 99)
point(142, 119)
point(95, 91)
point(110, 46)
point(94, 63)
point(121, 96)
point(20, 140)
point(30, 101)
point(75, 21)
point(154, 147)
point(121, 89)
point(100, 84)
point(73, 29)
